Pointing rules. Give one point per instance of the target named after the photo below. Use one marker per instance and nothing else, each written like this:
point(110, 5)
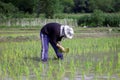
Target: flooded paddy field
point(92, 56)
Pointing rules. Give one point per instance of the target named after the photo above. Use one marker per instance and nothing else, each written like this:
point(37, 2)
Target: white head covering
point(68, 31)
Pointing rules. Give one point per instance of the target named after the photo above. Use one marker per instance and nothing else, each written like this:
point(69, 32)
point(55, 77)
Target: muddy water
point(82, 72)
point(96, 35)
point(94, 60)
point(86, 66)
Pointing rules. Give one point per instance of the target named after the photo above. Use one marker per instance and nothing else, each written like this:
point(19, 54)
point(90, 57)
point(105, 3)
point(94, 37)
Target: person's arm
point(60, 47)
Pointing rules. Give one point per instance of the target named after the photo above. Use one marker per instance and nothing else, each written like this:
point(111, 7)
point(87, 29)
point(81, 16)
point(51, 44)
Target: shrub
point(112, 20)
point(84, 20)
point(99, 18)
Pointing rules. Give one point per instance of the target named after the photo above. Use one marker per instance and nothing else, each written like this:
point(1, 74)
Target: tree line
point(15, 8)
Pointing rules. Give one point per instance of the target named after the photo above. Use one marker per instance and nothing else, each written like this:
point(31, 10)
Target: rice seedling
point(94, 57)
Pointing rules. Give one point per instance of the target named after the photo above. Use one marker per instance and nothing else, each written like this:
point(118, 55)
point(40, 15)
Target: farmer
point(53, 33)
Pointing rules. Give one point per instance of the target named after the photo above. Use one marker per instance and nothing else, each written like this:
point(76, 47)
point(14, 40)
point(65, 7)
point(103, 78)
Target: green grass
point(95, 58)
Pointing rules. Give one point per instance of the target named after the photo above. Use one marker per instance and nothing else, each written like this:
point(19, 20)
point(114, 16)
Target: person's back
point(53, 31)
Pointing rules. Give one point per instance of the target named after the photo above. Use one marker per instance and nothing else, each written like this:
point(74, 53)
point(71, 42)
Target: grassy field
point(94, 55)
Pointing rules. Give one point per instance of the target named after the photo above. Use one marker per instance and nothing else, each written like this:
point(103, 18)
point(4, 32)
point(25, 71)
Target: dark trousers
point(45, 46)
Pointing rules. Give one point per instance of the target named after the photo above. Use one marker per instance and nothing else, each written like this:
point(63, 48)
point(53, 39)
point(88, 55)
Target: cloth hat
point(68, 31)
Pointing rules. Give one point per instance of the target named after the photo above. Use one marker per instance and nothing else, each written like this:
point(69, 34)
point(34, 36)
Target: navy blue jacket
point(52, 30)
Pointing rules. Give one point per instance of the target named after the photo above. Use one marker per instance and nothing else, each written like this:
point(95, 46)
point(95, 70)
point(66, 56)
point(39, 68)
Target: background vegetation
point(16, 7)
point(104, 12)
point(98, 18)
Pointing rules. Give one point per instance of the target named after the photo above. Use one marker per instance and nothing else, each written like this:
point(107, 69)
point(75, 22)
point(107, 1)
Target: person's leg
point(59, 54)
point(44, 46)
